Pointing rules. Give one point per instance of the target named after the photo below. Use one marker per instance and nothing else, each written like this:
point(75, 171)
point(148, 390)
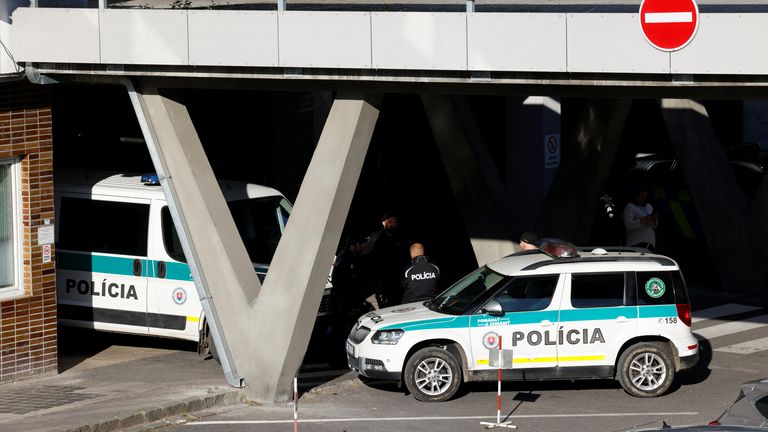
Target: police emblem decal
point(491, 340)
point(179, 296)
point(655, 287)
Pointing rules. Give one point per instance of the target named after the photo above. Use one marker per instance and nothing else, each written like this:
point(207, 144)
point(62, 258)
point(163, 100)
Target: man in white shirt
point(640, 222)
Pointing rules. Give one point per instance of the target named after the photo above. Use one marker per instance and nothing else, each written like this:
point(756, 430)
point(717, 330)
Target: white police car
point(621, 314)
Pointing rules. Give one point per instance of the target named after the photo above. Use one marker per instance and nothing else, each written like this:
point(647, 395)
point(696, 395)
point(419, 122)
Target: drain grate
point(23, 401)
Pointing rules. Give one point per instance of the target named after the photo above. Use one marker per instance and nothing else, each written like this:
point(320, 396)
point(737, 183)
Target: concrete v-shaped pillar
point(285, 310)
point(262, 332)
point(224, 277)
point(482, 214)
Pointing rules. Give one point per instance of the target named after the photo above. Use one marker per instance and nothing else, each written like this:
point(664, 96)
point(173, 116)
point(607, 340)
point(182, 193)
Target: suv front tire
point(432, 374)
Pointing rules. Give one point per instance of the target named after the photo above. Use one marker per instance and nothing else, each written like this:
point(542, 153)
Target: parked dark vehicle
point(750, 407)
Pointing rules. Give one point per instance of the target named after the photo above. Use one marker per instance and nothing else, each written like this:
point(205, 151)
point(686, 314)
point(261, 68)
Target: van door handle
point(622, 319)
point(546, 323)
point(161, 269)
point(137, 267)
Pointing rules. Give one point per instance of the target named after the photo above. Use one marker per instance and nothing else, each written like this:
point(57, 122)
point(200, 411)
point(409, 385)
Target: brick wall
point(28, 338)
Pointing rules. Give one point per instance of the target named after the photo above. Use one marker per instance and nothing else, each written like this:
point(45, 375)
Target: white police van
point(622, 314)
point(120, 266)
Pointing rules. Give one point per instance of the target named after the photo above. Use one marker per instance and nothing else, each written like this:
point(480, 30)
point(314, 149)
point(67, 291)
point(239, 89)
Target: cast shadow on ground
point(77, 345)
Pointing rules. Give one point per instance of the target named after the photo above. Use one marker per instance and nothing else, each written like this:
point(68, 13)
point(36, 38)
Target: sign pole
point(498, 390)
point(295, 404)
point(498, 423)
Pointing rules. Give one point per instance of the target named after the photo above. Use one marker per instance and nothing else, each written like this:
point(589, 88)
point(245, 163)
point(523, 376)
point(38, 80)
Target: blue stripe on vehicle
point(658, 311)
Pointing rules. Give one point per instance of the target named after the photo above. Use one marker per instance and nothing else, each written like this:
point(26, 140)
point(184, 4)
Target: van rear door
point(102, 262)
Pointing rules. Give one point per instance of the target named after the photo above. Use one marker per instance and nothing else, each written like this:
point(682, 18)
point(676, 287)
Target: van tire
point(646, 369)
point(205, 345)
point(432, 374)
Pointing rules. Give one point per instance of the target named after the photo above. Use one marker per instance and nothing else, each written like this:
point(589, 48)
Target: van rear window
point(111, 227)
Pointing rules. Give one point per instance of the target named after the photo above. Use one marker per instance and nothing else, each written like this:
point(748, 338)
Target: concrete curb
point(151, 415)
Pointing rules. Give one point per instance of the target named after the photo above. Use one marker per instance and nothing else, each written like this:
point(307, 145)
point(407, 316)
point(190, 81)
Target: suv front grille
point(358, 334)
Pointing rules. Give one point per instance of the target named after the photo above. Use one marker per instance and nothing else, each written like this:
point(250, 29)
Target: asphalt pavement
point(112, 382)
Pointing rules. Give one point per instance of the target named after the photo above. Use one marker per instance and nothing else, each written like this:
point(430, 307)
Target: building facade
point(28, 334)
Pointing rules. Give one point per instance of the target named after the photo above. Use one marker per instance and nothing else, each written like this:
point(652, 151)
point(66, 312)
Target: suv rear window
point(597, 290)
point(655, 288)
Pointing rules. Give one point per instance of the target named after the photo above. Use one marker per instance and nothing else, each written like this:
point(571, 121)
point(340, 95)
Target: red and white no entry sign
point(669, 25)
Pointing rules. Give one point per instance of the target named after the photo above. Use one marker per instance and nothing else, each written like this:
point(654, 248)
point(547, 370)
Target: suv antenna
point(647, 245)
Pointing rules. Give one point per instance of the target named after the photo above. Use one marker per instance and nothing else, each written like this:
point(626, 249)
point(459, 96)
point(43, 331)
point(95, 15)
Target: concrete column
point(284, 313)
point(223, 273)
point(472, 182)
point(527, 121)
point(262, 332)
point(735, 231)
point(586, 158)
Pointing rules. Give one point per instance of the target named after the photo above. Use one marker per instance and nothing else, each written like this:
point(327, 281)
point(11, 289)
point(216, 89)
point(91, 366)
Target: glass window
point(171, 237)
point(259, 222)
point(103, 226)
point(527, 293)
point(762, 406)
point(456, 299)
point(655, 288)
point(597, 290)
point(10, 265)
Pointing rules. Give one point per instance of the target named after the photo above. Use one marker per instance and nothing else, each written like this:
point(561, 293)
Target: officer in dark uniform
point(386, 254)
point(422, 279)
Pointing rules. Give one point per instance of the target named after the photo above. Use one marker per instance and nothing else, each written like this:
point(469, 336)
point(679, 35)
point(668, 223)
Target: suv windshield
point(459, 296)
point(260, 223)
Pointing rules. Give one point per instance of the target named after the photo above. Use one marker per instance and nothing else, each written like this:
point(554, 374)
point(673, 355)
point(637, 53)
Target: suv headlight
point(387, 337)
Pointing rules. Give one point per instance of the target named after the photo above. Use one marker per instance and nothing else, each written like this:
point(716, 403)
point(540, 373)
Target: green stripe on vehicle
point(517, 318)
point(589, 314)
point(99, 263)
point(658, 311)
point(86, 262)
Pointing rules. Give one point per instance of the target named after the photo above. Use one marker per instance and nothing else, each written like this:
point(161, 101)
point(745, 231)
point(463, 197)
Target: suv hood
point(411, 316)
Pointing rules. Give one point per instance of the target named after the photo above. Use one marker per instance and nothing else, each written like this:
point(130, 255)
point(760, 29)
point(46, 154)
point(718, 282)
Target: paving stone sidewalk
point(117, 387)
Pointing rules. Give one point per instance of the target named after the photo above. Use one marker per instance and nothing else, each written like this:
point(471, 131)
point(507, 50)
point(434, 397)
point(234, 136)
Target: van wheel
point(205, 345)
point(646, 370)
point(432, 374)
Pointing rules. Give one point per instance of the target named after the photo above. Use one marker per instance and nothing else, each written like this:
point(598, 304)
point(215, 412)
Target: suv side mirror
point(492, 308)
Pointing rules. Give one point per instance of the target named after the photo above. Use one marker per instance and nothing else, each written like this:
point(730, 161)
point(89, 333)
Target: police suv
point(120, 266)
point(622, 314)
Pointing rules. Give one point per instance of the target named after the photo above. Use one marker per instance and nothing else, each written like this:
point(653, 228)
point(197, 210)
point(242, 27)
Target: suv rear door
point(598, 316)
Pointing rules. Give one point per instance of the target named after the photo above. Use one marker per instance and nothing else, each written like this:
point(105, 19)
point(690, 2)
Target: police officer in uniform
point(386, 253)
point(421, 280)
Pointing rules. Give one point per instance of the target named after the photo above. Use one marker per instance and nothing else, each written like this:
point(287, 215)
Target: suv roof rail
point(654, 258)
point(612, 249)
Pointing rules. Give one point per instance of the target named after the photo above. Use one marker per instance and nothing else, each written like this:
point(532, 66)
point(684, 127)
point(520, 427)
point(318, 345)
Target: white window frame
point(17, 287)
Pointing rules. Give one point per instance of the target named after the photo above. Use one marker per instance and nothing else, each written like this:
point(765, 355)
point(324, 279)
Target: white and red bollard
point(499, 424)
